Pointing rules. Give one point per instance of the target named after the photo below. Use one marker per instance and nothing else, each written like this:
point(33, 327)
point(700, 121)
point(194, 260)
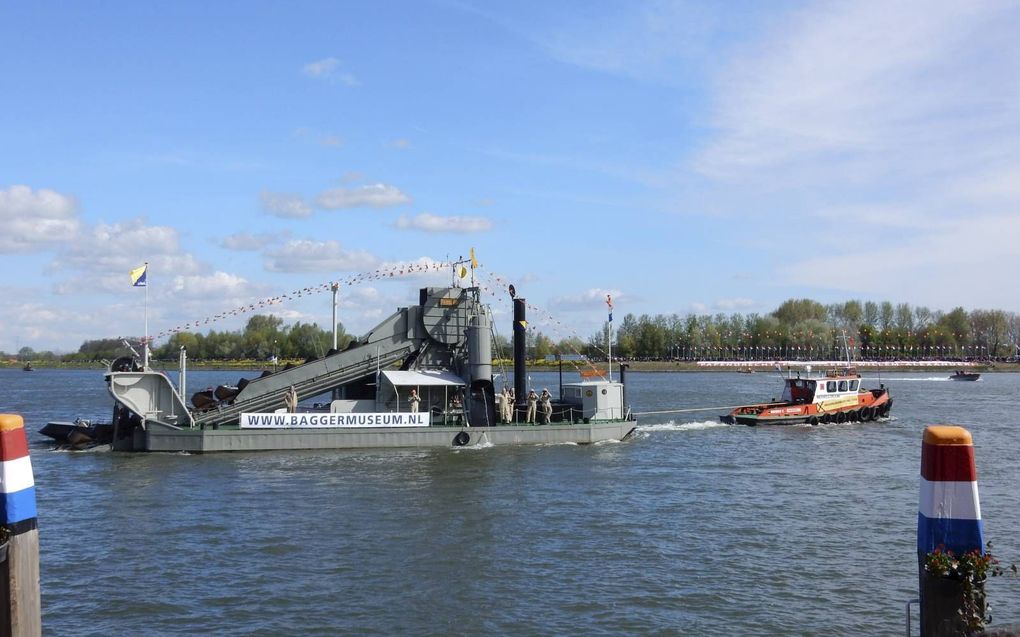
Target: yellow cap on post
point(11, 421)
point(947, 435)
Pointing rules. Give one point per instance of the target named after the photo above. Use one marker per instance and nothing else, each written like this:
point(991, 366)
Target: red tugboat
point(836, 397)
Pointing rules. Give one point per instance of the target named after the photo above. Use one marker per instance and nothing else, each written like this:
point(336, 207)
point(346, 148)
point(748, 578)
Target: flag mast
point(609, 302)
point(139, 279)
point(145, 344)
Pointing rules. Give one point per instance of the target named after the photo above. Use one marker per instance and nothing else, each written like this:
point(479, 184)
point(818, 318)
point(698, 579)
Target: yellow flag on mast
point(138, 276)
point(474, 261)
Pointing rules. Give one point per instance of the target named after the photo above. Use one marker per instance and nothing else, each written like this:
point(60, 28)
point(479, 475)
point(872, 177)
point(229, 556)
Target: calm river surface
point(688, 528)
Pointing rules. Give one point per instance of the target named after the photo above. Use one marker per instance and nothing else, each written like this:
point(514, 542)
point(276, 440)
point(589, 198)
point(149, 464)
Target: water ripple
point(688, 528)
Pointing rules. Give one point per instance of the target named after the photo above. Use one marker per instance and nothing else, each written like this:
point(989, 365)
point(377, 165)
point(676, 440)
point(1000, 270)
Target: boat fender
point(867, 414)
point(841, 417)
point(813, 420)
point(461, 439)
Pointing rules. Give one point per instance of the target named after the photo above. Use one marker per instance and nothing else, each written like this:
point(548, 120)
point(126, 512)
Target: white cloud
point(248, 242)
point(302, 255)
point(882, 135)
point(284, 205)
point(947, 266)
point(219, 285)
point(368, 196)
point(657, 41)
point(434, 223)
point(319, 137)
point(102, 257)
point(329, 69)
point(732, 305)
point(855, 90)
point(592, 299)
point(56, 327)
point(30, 220)
point(992, 184)
point(321, 67)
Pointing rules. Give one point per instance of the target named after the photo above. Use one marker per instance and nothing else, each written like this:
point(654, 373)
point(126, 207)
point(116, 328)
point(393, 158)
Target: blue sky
point(683, 156)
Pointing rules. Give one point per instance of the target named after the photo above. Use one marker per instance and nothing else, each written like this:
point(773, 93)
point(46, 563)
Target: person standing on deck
point(414, 400)
point(506, 407)
point(532, 406)
point(290, 399)
point(546, 406)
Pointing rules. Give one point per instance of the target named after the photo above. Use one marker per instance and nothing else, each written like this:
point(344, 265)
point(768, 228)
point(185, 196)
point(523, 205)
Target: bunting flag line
point(352, 280)
point(494, 286)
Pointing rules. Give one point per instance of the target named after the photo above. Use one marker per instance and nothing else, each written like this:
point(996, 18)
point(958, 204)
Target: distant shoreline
point(758, 367)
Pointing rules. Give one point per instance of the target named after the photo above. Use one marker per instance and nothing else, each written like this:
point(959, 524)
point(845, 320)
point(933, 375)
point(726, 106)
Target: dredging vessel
point(441, 347)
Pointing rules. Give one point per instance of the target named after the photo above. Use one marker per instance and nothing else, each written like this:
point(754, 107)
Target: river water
point(690, 527)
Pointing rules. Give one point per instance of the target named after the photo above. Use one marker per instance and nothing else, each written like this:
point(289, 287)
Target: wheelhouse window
point(830, 386)
point(853, 385)
point(842, 385)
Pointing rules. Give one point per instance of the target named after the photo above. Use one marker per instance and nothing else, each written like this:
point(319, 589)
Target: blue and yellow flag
point(138, 276)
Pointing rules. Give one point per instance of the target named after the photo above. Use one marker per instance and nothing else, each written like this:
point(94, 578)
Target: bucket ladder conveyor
point(439, 332)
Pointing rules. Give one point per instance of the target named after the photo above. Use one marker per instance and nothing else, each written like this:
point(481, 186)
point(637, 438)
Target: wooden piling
point(20, 610)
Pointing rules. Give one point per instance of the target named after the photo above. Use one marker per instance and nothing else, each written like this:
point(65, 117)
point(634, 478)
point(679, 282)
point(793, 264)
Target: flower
point(971, 570)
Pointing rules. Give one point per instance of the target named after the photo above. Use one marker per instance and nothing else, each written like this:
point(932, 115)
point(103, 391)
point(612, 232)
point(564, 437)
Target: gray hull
point(157, 437)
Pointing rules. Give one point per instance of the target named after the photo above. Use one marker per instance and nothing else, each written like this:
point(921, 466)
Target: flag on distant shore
point(138, 276)
point(609, 302)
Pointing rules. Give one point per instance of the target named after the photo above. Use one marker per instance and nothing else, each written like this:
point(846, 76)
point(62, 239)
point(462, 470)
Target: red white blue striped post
point(22, 610)
point(948, 519)
point(948, 510)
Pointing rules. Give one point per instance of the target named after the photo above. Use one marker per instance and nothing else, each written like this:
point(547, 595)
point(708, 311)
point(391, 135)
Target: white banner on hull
point(333, 421)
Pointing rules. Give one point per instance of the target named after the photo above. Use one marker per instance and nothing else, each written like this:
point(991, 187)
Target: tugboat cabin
point(837, 383)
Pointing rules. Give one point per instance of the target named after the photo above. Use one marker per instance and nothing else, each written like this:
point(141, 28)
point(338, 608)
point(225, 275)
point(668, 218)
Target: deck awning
point(428, 378)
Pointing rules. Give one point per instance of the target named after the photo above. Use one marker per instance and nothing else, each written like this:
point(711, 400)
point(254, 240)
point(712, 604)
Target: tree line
point(803, 328)
point(799, 328)
point(262, 338)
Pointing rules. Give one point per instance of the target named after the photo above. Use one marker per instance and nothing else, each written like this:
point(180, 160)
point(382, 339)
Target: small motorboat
point(962, 375)
point(836, 397)
point(79, 433)
point(28, 367)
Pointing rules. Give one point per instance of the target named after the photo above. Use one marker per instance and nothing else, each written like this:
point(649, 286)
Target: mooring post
point(948, 519)
point(19, 579)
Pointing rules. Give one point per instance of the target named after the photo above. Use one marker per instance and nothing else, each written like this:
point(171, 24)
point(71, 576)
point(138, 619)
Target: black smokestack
point(520, 343)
